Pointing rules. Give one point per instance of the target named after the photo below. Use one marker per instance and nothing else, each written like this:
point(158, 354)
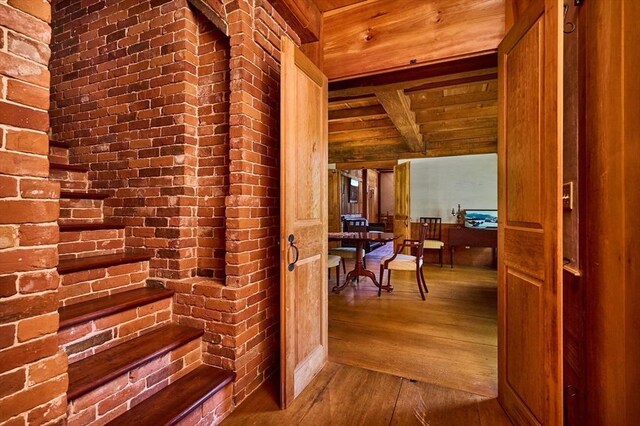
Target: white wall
point(440, 184)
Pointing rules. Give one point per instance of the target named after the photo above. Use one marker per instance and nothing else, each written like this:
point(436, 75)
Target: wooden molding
point(303, 16)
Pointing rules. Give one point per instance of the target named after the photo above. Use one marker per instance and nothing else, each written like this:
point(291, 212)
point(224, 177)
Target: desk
point(359, 238)
point(473, 237)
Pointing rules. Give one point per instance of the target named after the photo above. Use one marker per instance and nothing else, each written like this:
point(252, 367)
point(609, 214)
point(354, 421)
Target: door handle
point(292, 265)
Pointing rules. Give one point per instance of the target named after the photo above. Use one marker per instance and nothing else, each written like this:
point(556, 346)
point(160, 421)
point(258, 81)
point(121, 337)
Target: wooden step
point(109, 305)
point(69, 167)
point(79, 227)
point(94, 371)
point(59, 144)
point(84, 195)
point(68, 266)
point(176, 401)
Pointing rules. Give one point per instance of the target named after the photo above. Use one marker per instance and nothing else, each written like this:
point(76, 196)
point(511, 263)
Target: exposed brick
point(26, 48)
point(24, 141)
point(8, 186)
point(47, 368)
point(8, 237)
point(32, 328)
point(36, 235)
point(23, 69)
point(19, 211)
point(28, 94)
point(27, 353)
point(24, 23)
point(39, 8)
point(26, 307)
point(45, 414)
point(26, 118)
point(7, 335)
point(28, 259)
point(12, 382)
point(13, 163)
point(33, 396)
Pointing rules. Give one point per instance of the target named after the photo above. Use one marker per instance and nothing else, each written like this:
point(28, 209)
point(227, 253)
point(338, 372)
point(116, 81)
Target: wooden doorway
point(303, 242)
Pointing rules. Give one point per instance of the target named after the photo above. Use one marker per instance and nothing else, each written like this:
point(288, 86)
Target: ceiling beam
point(355, 126)
point(387, 164)
point(370, 112)
point(397, 106)
point(423, 100)
point(363, 134)
point(351, 92)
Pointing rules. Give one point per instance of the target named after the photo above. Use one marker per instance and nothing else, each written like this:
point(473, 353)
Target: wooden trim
point(481, 61)
point(303, 16)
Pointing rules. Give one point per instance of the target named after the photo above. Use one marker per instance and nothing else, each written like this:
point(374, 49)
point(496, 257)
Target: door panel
point(529, 238)
point(303, 198)
point(402, 201)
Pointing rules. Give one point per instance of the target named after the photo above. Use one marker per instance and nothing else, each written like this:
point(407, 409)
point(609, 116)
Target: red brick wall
point(33, 377)
point(213, 147)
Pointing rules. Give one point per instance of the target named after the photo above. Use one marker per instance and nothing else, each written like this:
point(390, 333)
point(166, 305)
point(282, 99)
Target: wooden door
point(530, 226)
point(303, 227)
point(402, 201)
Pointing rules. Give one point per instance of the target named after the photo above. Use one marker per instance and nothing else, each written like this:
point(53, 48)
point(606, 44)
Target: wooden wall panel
point(611, 265)
point(383, 35)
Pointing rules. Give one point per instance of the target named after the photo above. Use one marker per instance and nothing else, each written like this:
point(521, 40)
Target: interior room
point(377, 212)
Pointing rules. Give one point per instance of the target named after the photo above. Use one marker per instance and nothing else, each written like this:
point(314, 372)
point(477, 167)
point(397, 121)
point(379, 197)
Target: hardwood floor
point(398, 360)
point(450, 339)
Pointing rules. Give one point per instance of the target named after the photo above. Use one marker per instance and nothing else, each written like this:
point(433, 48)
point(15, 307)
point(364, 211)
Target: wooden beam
point(461, 134)
point(387, 164)
point(422, 100)
point(358, 113)
point(355, 126)
point(464, 81)
point(396, 104)
point(393, 142)
point(358, 40)
point(462, 124)
point(406, 85)
point(474, 111)
point(363, 134)
point(304, 17)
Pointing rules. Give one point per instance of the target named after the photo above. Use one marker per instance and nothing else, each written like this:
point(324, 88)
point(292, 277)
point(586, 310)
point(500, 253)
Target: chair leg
point(441, 256)
point(338, 274)
point(329, 273)
point(344, 266)
point(381, 280)
point(419, 282)
point(424, 282)
point(364, 261)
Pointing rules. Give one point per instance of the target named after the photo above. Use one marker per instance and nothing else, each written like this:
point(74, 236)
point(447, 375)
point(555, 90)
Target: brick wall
point(33, 376)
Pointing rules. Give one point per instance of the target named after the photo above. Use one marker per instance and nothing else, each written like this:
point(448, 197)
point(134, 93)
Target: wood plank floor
point(398, 360)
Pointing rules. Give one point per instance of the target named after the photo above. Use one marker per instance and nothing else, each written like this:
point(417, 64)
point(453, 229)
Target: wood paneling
point(402, 201)
point(359, 39)
point(529, 234)
point(612, 177)
point(303, 201)
point(327, 5)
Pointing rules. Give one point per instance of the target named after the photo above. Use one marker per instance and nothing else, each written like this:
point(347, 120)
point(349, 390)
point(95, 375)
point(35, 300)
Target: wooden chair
point(334, 262)
point(349, 252)
point(434, 236)
point(404, 262)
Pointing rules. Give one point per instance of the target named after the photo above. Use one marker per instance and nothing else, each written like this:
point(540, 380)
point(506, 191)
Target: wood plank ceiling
point(326, 5)
point(454, 114)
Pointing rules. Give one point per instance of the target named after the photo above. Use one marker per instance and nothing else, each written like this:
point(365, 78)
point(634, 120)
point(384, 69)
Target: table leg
point(360, 271)
point(452, 250)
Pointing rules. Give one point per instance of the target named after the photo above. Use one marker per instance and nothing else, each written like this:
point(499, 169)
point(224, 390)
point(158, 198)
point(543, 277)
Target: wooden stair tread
point(69, 167)
point(176, 401)
point(109, 305)
point(92, 372)
point(84, 195)
point(77, 227)
point(59, 144)
point(67, 266)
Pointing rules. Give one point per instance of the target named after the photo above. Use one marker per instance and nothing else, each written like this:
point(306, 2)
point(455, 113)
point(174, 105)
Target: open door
point(530, 227)
point(303, 227)
point(402, 201)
